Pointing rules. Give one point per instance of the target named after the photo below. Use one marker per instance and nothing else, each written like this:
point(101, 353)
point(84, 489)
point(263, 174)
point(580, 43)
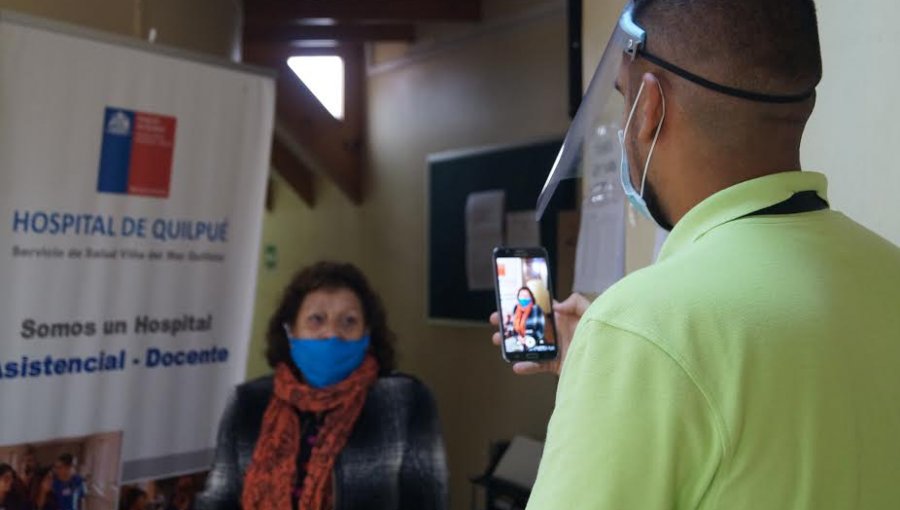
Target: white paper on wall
point(522, 231)
point(484, 232)
point(600, 256)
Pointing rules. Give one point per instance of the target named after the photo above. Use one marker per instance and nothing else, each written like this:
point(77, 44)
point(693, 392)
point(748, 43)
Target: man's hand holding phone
point(567, 315)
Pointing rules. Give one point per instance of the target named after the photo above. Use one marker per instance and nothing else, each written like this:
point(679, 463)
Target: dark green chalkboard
point(521, 172)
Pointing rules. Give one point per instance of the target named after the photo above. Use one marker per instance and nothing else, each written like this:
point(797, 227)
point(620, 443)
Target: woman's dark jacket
point(394, 458)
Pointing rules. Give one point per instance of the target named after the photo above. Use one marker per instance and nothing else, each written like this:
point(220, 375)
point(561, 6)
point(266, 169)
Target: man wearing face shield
point(754, 366)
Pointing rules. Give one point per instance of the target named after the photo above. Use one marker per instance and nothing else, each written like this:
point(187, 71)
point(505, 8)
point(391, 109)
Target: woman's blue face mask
point(524, 301)
point(325, 362)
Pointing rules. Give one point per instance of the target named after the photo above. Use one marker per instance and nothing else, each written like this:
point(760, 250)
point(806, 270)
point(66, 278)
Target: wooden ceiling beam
point(342, 32)
point(273, 54)
point(294, 171)
point(336, 148)
point(347, 10)
point(333, 147)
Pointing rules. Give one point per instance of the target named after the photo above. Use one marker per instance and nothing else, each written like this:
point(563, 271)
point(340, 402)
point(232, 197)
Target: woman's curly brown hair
point(332, 276)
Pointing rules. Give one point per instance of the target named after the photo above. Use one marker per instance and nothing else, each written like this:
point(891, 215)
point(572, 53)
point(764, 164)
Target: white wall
point(854, 133)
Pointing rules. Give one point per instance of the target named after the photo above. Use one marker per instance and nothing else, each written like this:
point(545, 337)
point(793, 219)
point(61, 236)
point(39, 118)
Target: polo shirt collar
point(738, 201)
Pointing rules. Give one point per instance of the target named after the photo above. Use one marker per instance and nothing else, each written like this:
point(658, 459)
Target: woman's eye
point(349, 322)
point(315, 319)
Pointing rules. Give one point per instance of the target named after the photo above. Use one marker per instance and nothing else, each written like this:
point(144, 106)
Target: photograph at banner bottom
point(173, 493)
point(73, 473)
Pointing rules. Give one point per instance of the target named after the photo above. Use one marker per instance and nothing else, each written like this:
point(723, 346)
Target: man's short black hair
point(66, 459)
point(769, 46)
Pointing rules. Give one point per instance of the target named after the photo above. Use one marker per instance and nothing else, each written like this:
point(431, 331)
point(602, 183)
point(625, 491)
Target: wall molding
point(419, 52)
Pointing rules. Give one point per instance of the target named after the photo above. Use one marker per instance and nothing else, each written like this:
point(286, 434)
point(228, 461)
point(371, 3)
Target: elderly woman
point(525, 325)
point(335, 427)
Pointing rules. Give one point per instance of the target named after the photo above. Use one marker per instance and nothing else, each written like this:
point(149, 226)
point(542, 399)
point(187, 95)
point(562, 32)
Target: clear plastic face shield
point(600, 108)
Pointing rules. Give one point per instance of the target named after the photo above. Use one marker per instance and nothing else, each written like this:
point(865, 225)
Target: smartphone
point(525, 304)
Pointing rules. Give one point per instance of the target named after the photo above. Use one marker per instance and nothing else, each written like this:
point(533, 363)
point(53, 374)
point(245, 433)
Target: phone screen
point(525, 306)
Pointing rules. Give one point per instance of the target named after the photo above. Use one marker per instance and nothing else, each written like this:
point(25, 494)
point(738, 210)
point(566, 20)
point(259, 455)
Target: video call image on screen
point(525, 305)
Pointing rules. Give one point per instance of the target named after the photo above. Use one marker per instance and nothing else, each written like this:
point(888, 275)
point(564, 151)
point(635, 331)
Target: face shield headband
point(601, 108)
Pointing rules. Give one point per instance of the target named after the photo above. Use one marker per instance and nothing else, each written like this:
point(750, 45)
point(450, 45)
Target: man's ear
point(651, 110)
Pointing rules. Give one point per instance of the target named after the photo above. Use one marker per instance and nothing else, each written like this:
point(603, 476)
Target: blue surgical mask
point(524, 301)
point(635, 197)
point(327, 361)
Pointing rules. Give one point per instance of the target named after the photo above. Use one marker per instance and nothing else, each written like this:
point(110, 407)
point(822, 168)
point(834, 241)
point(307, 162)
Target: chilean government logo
point(136, 155)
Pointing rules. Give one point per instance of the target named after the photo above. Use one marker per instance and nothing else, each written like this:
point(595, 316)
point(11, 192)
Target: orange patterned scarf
point(270, 478)
point(521, 319)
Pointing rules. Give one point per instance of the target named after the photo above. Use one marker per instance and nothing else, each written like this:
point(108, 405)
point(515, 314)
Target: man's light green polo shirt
point(755, 366)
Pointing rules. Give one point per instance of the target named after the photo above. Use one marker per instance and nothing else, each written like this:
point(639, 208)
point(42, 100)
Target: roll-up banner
point(132, 183)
